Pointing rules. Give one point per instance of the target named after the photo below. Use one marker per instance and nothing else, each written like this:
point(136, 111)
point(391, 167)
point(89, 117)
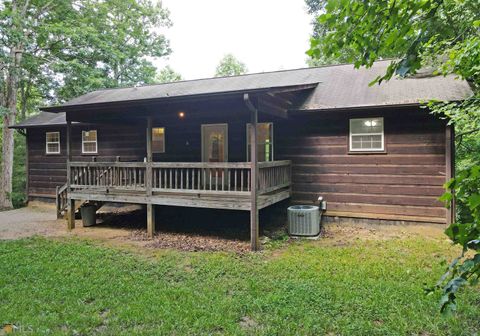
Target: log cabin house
point(247, 142)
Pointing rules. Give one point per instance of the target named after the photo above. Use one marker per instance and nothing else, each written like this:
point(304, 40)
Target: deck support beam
point(148, 181)
point(70, 214)
point(70, 202)
point(254, 241)
point(150, 220)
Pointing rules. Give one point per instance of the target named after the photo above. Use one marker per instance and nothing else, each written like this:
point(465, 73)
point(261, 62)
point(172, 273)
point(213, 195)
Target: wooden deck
point(225, 185)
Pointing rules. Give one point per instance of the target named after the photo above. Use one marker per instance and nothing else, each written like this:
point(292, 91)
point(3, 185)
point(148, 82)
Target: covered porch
point(208, 178)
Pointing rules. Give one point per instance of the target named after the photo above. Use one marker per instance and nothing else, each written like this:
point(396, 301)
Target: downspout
point(254, 240)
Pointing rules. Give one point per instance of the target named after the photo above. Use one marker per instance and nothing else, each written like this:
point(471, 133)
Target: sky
point(266, 35)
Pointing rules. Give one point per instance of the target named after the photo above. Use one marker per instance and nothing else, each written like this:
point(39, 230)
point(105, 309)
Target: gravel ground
point(30, 221)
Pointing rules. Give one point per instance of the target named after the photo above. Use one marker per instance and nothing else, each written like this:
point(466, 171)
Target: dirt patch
point(191, 243)
point(192, 229)
point(345, 233)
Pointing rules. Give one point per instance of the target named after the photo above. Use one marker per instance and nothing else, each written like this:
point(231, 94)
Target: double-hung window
point(366, 135)
point(52, 143)
point(158, 140)
point(89, 142)
point(265, 141)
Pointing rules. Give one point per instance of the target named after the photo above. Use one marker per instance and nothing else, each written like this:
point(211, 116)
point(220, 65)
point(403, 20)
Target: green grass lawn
point(307, 288)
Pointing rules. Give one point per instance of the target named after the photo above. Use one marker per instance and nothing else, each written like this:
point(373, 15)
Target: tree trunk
point(7, 133)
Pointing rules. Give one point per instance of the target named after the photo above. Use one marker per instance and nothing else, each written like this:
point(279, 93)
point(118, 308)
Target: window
point(89, 142)
point(158, 140)
point(265, 141)
point(52, 140)
point(366, 135)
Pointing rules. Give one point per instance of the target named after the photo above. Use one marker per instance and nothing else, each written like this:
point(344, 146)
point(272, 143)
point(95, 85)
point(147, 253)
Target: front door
point(214, 149)
point(215, 143)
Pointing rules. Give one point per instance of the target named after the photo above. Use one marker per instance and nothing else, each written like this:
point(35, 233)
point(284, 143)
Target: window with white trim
point(158, 140)
point(265, 141)
point(52, 142)
point(89, 142)
point(366, 135)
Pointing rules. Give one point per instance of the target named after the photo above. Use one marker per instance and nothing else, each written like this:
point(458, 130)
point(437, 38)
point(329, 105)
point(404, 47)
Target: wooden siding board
point(387, 209)
point(371, 169)
point(369, 179)
point(405, 181)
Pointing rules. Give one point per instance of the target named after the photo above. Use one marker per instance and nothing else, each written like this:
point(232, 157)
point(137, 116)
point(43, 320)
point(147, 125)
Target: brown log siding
point(403, 183)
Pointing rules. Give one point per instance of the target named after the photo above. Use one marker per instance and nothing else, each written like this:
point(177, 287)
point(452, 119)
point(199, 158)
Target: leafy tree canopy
point(321, 30)
point(167, 75)
point(72, 47)
point(230, 66)
point(51, 51)
point(441, 34)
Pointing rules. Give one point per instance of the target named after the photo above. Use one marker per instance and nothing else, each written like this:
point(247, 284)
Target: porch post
point(71, 202)
point(148, 182)
point(254, 241)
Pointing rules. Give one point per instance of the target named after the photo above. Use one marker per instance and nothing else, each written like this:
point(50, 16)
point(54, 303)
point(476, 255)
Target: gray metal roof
point(339, 87)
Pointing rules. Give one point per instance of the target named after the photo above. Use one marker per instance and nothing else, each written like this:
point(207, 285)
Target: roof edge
point(66, 108)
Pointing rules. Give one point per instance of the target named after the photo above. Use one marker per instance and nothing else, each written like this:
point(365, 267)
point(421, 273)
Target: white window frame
point(248, 141)
point(164, 145)
point(382, 134)
point(51, 143)
point(90, 141)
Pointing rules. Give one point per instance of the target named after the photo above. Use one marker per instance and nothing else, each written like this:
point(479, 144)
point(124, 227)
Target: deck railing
point(231, 178)
point(121, 175)
point(273, 175)
point(203, 177)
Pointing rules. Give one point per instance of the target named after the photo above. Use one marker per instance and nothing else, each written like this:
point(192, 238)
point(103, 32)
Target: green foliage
point(69, 47)
point(445, 36)
point(230, 66)
point(19, 196)
point(414, 30)
point(366, 288)
point(167, 75)
point(319, 56)
point(466, 232)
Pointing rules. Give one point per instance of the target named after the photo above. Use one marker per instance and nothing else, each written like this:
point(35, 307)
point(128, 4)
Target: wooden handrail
point(108, 164)
point(267, 164)
point(183, 177)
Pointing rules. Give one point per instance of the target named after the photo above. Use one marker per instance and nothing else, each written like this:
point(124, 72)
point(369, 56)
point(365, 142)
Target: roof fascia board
point(93, 106)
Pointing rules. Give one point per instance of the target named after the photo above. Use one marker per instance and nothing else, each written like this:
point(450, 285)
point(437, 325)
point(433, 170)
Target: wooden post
point(254, 241)
point(450, 167)
point(71, 202)
point(148, 181)
point(150, 220)
point(57, 202)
